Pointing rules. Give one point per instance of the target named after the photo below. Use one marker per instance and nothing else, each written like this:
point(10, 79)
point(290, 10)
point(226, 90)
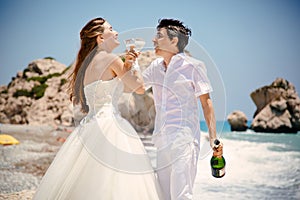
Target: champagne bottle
point(217, 163)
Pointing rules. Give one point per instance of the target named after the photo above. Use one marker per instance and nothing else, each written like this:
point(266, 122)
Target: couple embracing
point(104, 158)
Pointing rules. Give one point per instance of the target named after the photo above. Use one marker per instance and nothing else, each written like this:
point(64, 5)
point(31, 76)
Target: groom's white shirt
point(176, 91)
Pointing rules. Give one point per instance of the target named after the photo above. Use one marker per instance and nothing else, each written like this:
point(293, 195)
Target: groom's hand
point(218, 152)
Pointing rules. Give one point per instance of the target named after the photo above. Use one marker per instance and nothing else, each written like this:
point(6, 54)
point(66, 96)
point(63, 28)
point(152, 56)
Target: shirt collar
point(176, 58)
point(173, 60)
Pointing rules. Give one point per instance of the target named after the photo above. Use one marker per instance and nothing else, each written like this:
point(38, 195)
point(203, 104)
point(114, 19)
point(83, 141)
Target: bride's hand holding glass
point(133, 48)
point(130, 58)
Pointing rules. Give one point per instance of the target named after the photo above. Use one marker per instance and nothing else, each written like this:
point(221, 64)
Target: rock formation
point(278, 108)
point(138, 110)
point(237, 121)
point(37, 95)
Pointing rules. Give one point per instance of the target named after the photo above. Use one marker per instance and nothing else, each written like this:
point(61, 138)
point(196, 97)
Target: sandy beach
point(23, 165)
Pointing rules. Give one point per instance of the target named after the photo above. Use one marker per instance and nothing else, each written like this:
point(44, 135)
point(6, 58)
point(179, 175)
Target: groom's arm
point(209, 115)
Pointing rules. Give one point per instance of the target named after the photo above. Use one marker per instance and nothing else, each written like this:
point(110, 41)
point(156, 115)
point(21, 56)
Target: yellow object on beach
point(8, 139)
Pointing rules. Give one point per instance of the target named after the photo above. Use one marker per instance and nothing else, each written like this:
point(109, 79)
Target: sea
point(258, 166)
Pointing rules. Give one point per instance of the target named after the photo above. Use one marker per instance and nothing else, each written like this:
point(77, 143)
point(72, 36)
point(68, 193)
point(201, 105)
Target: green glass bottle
point(217, 163)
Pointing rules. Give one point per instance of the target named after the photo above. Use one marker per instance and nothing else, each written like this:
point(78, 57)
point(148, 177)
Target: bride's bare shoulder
point(106, 57)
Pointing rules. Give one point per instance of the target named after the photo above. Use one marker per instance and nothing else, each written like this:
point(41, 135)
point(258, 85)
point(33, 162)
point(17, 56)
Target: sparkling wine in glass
point(135, 43)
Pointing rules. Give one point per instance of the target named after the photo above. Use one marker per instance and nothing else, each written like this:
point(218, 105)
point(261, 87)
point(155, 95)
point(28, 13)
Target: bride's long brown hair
point(88, 36)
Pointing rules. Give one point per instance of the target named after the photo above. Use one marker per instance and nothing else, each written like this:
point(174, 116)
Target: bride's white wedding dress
point(103, 158)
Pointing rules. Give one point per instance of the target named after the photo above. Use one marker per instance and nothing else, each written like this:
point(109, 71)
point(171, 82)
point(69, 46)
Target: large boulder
point(264, 95)
point(138, 110)
point(238, 121)
point(37, 95)
point(278, 108)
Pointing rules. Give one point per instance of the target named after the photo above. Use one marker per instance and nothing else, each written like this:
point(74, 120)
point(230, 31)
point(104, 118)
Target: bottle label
point(218, 173)
point(222, 172)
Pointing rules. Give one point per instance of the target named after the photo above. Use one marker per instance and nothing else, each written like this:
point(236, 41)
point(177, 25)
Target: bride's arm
point(132, 79)
point(135, 70)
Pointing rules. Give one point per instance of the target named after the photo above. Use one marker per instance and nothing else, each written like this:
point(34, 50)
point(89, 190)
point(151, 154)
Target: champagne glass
point(139, 44)
point(136, 44)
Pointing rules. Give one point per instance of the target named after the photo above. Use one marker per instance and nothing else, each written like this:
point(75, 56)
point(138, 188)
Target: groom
point(178, 82)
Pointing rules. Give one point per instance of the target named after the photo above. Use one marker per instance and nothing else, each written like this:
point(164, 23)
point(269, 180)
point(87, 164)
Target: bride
point(103, 158)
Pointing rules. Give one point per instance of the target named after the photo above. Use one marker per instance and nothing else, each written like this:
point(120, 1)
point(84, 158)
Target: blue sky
point(251, 42)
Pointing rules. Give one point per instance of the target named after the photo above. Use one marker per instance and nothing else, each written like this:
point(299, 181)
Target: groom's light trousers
point(176, 170)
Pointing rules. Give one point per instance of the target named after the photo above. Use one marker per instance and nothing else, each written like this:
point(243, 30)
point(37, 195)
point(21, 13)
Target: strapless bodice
point(100, 94)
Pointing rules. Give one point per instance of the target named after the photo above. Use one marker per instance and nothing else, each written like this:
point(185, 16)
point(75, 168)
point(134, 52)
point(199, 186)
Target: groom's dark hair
point(175, 28)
